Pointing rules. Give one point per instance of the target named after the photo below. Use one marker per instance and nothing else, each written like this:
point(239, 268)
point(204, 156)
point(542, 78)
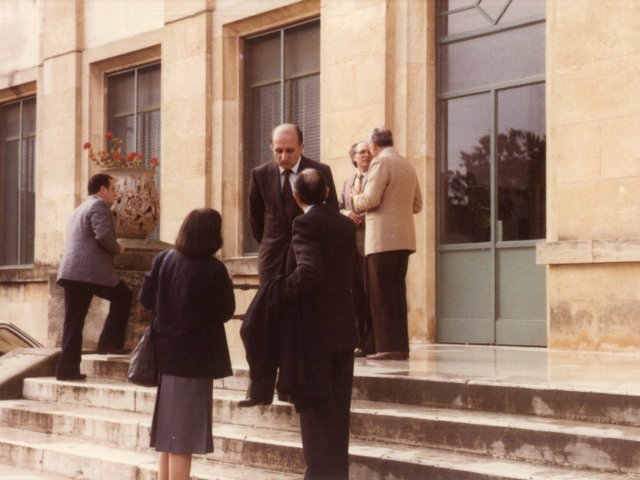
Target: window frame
point(136, 111)
point(21, 263)
point(285, 106)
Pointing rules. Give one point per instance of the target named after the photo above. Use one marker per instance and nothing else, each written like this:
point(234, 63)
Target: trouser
point(386, 272)
point(360, 299)
point(325, 428)
point(77, 298)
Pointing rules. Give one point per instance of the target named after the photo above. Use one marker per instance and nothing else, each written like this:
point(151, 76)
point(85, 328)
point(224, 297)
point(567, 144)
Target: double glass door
point(491, 188)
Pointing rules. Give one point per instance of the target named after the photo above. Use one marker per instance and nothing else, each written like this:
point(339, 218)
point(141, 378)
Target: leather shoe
point(77, 377)
point(389, 356)
point(359, 353)
point(252, 402)
point(113, 351)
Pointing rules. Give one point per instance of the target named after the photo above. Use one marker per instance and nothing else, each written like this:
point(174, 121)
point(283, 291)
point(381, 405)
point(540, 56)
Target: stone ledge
point(623, 250)
point(242, 266)
point(25, 362)
point(25, 274)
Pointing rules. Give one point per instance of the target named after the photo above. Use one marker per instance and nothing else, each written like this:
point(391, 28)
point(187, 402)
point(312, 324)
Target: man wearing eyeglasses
point(360, 158)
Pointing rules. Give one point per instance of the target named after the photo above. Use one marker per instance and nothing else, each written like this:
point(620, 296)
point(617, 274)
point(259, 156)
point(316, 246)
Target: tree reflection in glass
point(521, 190)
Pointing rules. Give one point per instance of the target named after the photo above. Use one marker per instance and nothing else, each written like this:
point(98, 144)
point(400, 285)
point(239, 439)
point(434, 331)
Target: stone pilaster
point(186, 112)
point(60, 180)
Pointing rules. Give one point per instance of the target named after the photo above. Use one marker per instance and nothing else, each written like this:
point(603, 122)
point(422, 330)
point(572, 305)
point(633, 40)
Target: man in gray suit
point(86, 269)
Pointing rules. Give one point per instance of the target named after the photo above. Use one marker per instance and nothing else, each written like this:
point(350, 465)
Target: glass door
point(491, 188)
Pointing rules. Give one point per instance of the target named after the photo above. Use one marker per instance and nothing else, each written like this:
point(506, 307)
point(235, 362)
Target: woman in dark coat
point(191, 296)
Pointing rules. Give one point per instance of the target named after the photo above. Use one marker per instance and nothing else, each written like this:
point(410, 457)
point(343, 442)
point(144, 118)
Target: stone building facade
point(520, 118)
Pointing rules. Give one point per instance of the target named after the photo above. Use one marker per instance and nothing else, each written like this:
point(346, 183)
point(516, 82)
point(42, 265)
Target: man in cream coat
point(390, 198)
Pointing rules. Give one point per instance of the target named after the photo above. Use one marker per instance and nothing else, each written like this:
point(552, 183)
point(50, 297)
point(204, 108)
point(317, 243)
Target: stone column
point(186, 112)
point(60, 175)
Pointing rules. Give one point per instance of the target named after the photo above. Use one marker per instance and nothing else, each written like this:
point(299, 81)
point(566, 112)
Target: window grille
point(17, 180)
point(281, 85)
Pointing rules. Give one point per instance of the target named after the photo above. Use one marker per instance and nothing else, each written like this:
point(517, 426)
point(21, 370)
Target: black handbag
point(142, 364)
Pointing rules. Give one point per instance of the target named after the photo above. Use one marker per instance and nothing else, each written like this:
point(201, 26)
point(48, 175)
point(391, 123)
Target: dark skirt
point(183, 416)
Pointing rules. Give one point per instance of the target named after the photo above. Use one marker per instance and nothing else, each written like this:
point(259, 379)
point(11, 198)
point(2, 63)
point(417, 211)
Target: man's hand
point(122, 248)
point(352, 215)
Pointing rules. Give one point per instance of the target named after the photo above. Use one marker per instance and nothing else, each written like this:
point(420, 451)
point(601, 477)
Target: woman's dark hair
point(200, 234)
point(97, 181)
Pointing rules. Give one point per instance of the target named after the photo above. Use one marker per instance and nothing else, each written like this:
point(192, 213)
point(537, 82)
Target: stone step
point(68, 457)
point(247, 452)
point(535, 399)
point(392, 383)
point(498, 435)
point(115, 368)
point(11, 472)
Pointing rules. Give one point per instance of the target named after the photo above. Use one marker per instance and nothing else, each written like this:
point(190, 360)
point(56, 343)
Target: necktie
point(357, 184)
point(290, 205)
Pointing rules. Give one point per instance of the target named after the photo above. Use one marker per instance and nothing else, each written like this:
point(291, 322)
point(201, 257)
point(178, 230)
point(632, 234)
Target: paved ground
point(589, 371)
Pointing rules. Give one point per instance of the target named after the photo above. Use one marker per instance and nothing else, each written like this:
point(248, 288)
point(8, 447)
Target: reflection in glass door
point(491, 149)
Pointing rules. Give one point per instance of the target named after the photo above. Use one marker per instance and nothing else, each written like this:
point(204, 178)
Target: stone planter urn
point(136, 211)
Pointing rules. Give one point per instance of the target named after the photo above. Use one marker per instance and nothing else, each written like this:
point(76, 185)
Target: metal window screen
point(282, 84)
point(17, 196)
point(134, 114)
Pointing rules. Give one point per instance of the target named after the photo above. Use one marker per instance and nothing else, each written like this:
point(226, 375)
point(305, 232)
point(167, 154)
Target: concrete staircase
point(403, 427)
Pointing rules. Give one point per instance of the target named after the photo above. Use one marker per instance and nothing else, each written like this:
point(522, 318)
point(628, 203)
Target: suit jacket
point(283, 336)
point(346, 203)
point(191, 299)
point(267, 215)
point(390, 198)
point(320, 269)
point(91, 245)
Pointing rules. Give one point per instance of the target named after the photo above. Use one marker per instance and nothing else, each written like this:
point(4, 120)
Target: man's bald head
point(286, 145)
point(311, 187)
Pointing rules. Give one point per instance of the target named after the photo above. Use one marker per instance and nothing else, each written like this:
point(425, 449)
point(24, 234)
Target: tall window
point(17, 195)
point(282, 84)
point(491, 120)
point(133, 105)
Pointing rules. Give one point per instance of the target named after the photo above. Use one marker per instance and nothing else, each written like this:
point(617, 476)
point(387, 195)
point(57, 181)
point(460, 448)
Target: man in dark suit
point(320, 272)
point(271, 204)
point(361, 158)
point(86, 269)
point(272, 209)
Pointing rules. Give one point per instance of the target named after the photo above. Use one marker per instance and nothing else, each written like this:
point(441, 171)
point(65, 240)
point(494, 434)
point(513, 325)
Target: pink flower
point(108, 135)
point(153, 161)
point(87, 145)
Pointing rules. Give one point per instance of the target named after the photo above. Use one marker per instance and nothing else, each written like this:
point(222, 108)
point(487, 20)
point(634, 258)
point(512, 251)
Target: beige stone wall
point(593, 172)
point(26, 305)
point(19, 45)
point(109, 20)
point(377, 64)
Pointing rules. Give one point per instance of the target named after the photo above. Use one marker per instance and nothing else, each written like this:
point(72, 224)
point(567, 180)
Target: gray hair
point(382, 137)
